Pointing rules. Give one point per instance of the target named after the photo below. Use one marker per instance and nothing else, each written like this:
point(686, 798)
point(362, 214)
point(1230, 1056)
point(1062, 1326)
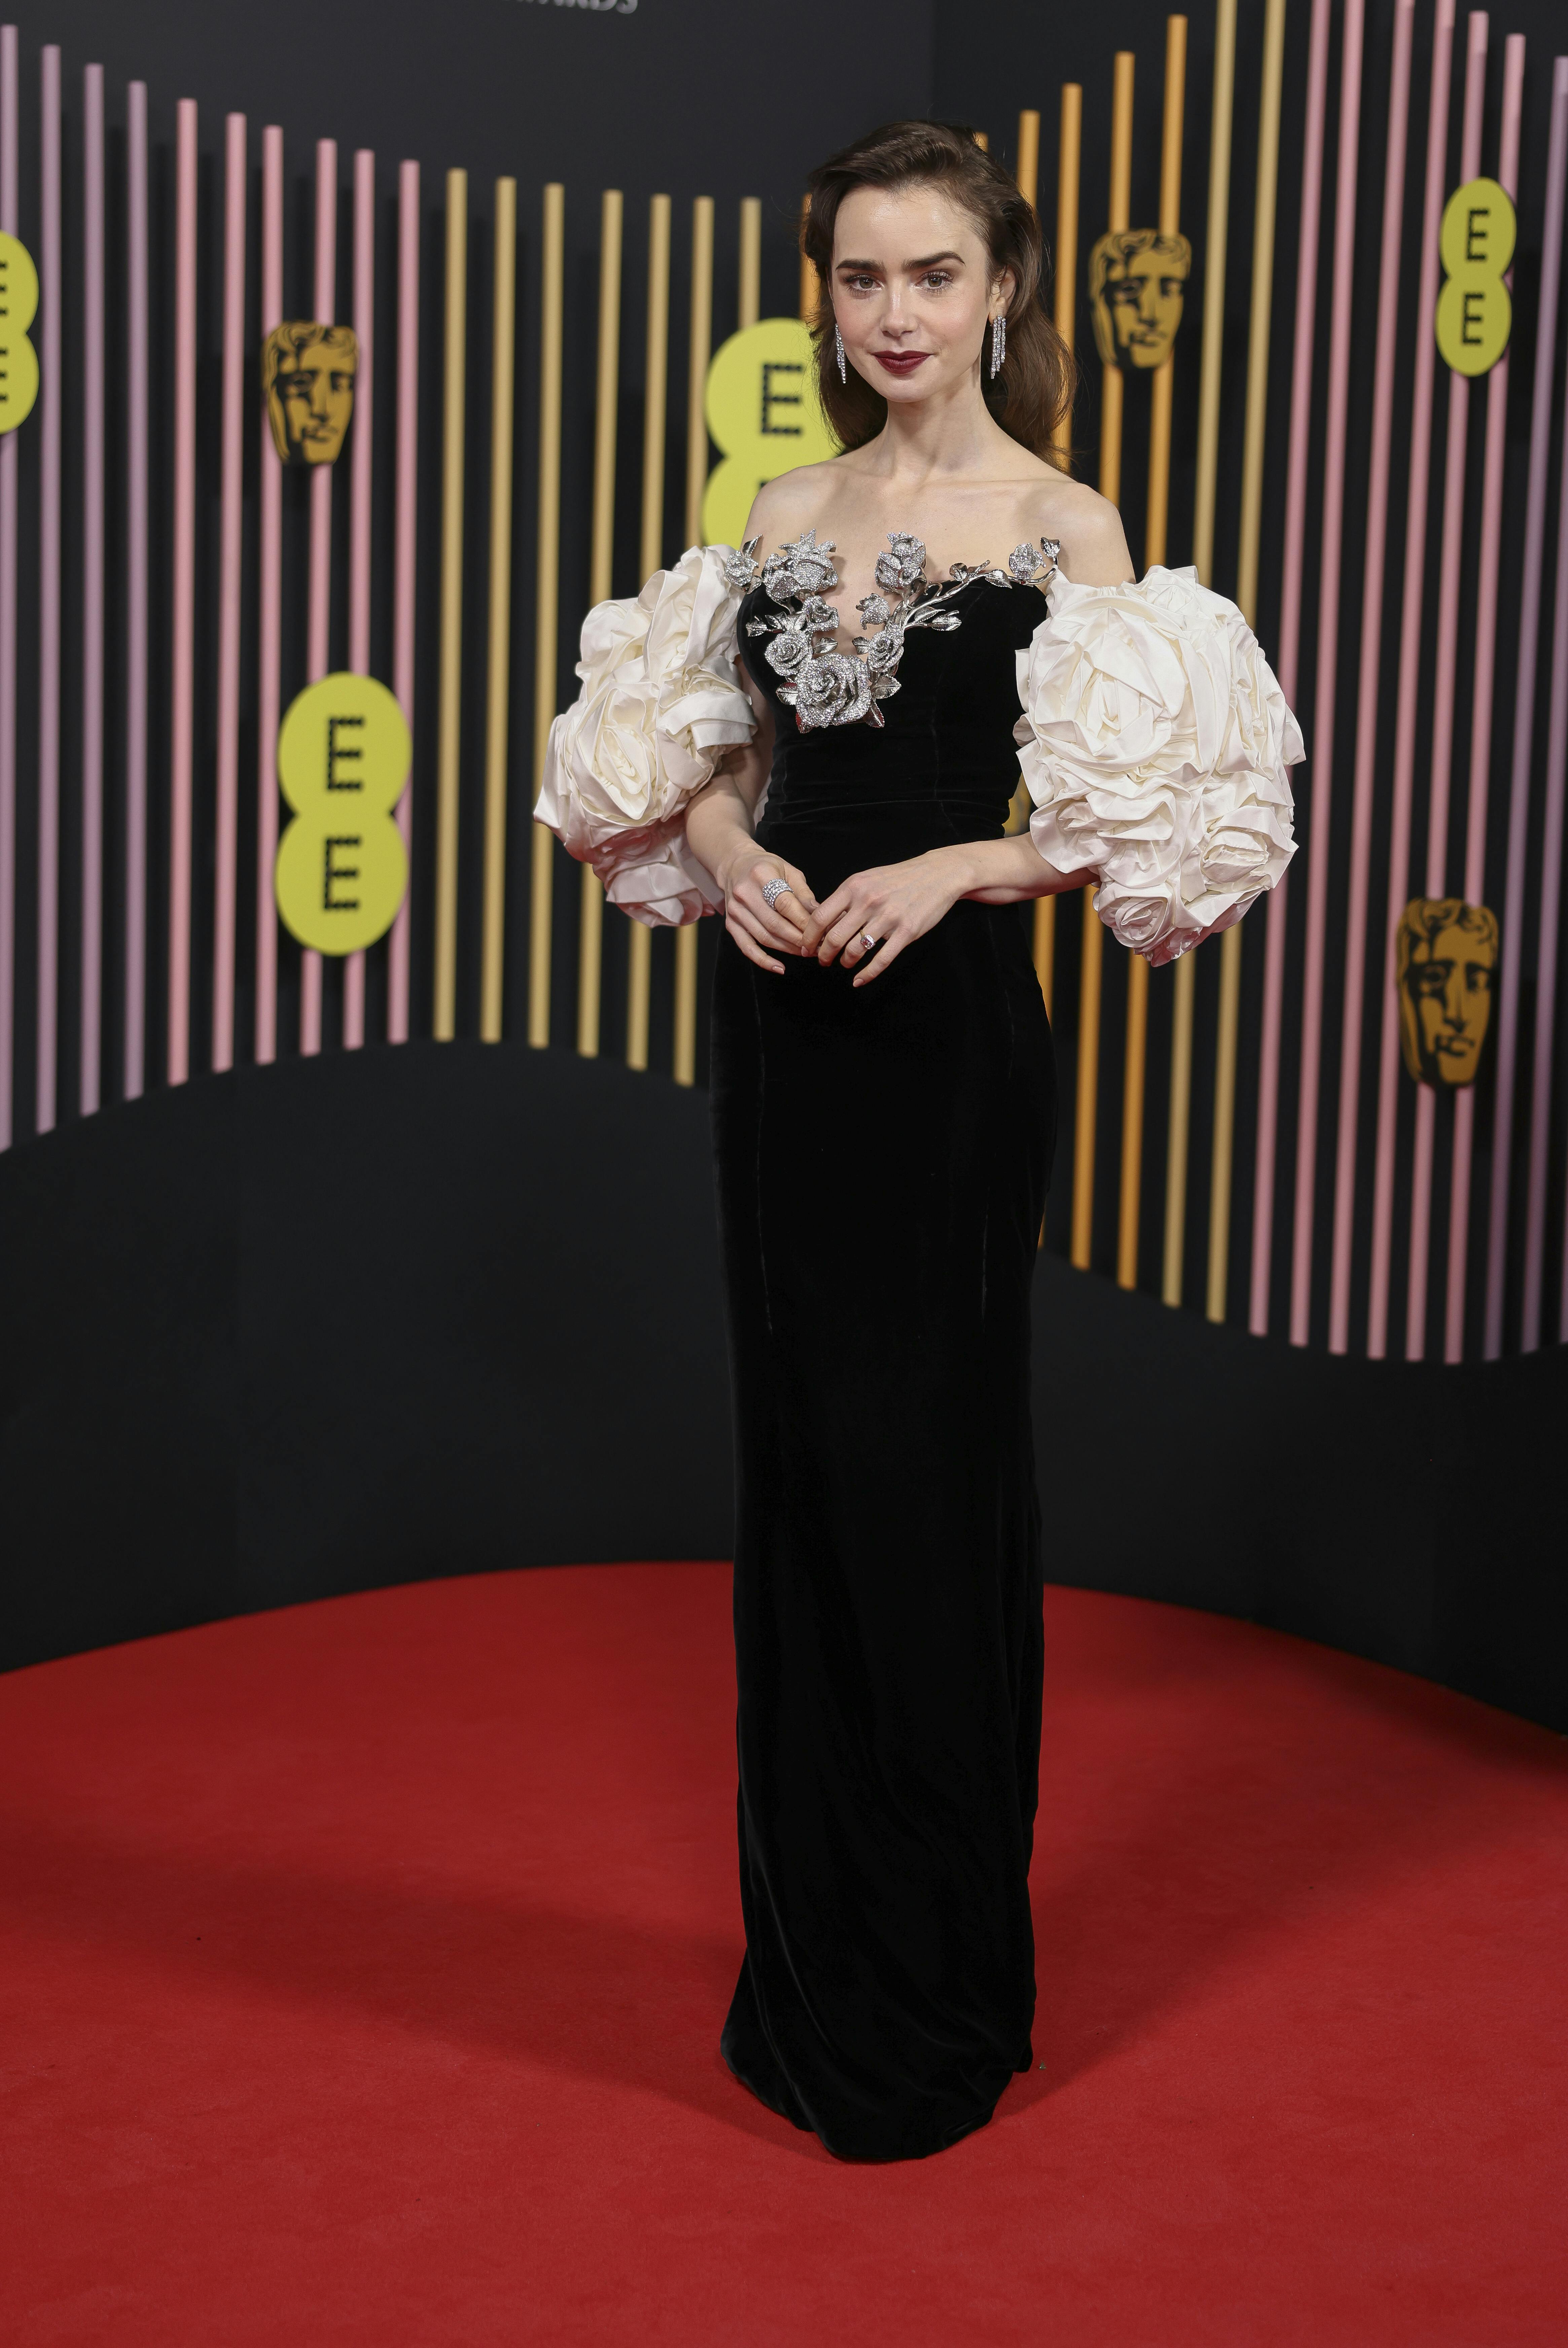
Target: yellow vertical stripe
point(496, 710)
point(1069, 154)
point(656, 365)
point(590, 916)
point(699, 350)
point(751, 286)
point(1027, 172)
point(546, 596)
point(449, 710)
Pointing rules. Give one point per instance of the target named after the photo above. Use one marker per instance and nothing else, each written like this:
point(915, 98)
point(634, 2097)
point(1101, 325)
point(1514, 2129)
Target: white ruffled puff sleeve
point(1154, 742)
point(661, 698)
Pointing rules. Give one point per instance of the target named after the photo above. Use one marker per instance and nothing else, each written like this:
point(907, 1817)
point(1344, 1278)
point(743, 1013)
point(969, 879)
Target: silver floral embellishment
point(835, 689)
point(802, 568)
point(741, 567)
point(903, 567)
point(825, 687)
point(1029, 567)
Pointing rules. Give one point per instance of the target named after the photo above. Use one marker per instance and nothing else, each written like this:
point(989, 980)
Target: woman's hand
point(719, 822)
point(752, 921)
point(893, 904)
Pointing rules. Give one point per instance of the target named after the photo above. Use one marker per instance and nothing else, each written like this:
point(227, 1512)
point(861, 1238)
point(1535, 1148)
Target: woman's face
point(912, 290)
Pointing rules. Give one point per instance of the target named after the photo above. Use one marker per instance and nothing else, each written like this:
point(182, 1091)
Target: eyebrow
point(929, 262)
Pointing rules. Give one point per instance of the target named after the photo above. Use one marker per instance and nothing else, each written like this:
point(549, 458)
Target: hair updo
point(1033, 396)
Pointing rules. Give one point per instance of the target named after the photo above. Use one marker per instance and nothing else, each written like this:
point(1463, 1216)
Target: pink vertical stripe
point(359, 504)
point(9, 184)
point(270, 619)
point(1409, 709)
point(1330, 558)
point(1289, 644)
point(91, 1028)
point(182, 694)
point(1481, 702)
point(318, 626)
point(1524, 723)
point(1366, 684)
point(48, 337)
point(365, 385)
point(230, 539)
point(1546, 942)
point(404, 546)
point(136, 591)
point(1449, 577)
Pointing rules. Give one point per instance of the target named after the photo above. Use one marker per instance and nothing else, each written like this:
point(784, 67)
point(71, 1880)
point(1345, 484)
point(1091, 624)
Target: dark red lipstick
point(900, 362)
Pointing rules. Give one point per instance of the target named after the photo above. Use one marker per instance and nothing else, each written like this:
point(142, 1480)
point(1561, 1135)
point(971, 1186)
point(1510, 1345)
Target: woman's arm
point(896, 904)
point(1009, 872)
point(719, 835)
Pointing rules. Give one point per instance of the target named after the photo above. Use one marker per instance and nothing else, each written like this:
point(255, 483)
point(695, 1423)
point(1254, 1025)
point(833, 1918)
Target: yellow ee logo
point(18, 308)
point(343, 754)
point(764, 412)
point(1474, 309)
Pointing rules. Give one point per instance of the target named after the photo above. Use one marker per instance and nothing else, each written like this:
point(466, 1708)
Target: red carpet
point(362, 1968)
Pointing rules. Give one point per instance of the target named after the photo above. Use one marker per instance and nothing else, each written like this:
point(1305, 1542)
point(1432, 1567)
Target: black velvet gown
point(881, 1162)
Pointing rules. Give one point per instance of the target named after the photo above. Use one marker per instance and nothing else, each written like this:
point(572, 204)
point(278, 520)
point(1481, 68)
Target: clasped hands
point(890, 903)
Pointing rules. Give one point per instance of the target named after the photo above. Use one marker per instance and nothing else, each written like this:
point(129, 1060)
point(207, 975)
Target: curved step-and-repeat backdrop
point(317, 441)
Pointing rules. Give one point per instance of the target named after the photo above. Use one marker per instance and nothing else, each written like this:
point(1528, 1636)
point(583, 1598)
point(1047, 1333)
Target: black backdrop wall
point(180, 1436)
point(334, 1323)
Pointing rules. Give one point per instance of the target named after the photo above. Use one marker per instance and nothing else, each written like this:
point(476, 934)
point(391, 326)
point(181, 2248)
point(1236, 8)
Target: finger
point(843, 933)
point(767, 922)
point(823, 918)
point(756, 925)
point(792, 908)
point(889, 951)
point(754, 952)
point(801, 889)
point(782, 919)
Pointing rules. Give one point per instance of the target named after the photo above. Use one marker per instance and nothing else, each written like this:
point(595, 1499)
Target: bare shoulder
point(785, 505)
point(1089, 528)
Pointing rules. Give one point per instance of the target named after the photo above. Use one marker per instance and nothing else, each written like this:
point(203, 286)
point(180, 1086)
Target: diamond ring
point(772, 890)
point(869, 944)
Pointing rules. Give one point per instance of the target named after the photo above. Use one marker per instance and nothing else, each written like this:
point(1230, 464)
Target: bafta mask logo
point(1137, 282)
point(307, 374)
point(1445, 961)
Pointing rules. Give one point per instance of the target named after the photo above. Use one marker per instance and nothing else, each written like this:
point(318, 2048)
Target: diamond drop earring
point(838, 352)
point(999, 343)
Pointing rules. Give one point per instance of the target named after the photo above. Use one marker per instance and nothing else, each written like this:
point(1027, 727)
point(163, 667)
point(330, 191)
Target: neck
point(952, 432)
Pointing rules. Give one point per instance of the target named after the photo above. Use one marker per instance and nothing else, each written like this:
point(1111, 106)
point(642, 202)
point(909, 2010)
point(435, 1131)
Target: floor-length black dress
point(882, 1161)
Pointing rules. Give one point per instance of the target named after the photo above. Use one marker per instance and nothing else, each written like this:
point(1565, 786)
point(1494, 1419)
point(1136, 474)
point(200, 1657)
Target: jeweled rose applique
point(825, 687)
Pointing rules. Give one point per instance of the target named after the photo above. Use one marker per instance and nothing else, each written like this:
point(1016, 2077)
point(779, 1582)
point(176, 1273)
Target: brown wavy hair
point(1033, 396)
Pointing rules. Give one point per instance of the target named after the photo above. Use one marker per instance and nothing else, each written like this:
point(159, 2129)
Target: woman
point(883, 1090)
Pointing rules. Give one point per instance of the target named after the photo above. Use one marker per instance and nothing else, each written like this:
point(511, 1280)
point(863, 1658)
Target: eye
point(861, 281)
point(937, 278)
